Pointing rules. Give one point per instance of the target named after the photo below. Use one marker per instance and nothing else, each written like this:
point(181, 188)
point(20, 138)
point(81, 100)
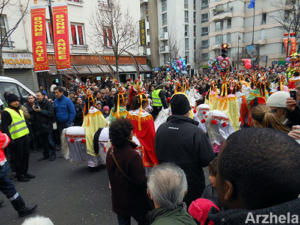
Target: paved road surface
point(67, 193)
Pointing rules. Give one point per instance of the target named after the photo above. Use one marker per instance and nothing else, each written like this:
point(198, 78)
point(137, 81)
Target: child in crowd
point(210, 191)
point(106, 111)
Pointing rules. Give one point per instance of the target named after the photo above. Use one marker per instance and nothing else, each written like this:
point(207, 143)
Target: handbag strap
point(119, 167)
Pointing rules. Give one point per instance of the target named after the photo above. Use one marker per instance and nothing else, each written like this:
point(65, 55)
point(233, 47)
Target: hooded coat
point(182, 142)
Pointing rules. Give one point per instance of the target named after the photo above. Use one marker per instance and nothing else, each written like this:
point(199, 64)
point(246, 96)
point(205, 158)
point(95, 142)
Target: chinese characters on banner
point(293, 45)
point(142, 33)
point(61, 37)
point(286, 45)
point(39, 49)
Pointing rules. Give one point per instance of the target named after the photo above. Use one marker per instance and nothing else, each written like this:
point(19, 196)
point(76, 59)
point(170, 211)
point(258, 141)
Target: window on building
point(195, 31)
point(165, 29)
point(204, 44)
point(204, 31)
point(4, 29)
point(186, 16)
point(102, 3)
point(186, 30)
point(194, 17)
point(219, 25)
point(204, 56)
point(228, 23)
point(164, 5)
point(187, 44)
point(164, 19)
point(195, 44)
point(80, 0)
point(264, 18)
point(49, 36)
point(187, 59)
point(204, 18)
point(219, 39)
point(107, 37)
point(77, 31)
point(228, 38)
point(186, 4)
point(166, 58)
point(194, 5)
point(204, 4)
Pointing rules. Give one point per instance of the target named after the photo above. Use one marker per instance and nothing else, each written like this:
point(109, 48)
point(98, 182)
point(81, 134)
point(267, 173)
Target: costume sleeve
point(72, 111)
point(203, 148)
point(5, 122)
point(4, 140)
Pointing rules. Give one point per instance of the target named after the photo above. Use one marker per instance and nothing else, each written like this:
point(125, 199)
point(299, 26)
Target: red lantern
point(72, 140)
point(214, 122)
point(203, 121)
point(83, 141)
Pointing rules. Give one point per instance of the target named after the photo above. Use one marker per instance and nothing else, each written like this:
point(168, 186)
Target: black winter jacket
point(180, 141)
point(43, 120)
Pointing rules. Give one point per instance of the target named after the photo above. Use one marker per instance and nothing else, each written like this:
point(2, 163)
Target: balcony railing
point(164, 49)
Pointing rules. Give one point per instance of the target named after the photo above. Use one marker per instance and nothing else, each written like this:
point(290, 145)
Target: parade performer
point(143, 129)
point(93, 120)
point(7, 186)
point(119, 109)
point(219, 129)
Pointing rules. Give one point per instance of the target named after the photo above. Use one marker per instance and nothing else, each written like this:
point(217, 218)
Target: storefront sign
point(17, 60)
point(142, 33)
point(39, 49)
point(61, 37)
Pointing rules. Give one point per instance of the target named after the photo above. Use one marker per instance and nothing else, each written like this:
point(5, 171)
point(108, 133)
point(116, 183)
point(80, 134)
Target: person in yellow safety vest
point(6, 185)
point(14, 125)
point(158, 101)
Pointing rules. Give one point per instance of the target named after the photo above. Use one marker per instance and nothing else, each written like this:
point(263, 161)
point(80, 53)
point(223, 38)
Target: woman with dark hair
point(143, 129)
point(126, 175)
point(119, 109)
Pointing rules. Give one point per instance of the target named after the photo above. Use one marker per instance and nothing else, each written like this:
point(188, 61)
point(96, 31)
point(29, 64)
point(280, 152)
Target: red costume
point(143, 129)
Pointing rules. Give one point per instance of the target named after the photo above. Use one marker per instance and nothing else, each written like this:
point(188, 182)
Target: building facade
point(231, 22)
point(86, 60)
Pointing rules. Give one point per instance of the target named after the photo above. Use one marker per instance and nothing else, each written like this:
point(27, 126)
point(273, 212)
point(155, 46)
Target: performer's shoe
point(30, 176)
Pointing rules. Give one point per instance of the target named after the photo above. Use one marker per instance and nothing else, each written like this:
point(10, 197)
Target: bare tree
point(114, 29)
point(290, 19)
point(7, 31)
point(173, 46)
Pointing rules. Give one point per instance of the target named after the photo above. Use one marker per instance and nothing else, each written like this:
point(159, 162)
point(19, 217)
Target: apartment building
point(173, 30)
point(231, 22)
point(85, 62)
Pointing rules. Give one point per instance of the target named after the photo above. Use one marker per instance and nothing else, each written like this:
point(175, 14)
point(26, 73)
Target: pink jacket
point(4, 141)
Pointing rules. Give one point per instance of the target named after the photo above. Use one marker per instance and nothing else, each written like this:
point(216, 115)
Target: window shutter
point(105, 37)
point(110, 37)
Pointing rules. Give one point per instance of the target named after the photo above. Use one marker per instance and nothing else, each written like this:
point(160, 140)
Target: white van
point(11, 85)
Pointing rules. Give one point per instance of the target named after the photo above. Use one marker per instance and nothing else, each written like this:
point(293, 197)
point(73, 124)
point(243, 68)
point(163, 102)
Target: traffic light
point(224, 51)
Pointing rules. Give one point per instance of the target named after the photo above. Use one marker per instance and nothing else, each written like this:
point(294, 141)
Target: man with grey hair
point(167, 186)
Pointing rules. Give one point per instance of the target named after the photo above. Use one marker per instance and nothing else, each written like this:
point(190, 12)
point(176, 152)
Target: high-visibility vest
point(156, 101)
point(18, 127)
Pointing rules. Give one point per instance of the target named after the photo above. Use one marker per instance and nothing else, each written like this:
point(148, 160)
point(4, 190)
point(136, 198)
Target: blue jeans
point(6, 185)
point(126, 220)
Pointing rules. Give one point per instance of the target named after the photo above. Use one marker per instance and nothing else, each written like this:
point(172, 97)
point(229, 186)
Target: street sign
point(224, 63)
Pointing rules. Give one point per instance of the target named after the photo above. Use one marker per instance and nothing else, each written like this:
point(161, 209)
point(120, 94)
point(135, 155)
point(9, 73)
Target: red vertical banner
point(39, 48)
point(293, 45)
point(286, 45)
point(61, 37)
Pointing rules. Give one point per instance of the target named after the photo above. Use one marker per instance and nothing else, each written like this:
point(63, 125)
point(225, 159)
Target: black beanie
point(180, 104)
point(11, 98)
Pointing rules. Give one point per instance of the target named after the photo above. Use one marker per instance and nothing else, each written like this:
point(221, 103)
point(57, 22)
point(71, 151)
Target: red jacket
point(4, 141)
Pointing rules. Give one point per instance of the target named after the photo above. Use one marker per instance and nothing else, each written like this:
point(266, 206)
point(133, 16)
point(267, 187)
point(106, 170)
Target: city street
point(67, 193)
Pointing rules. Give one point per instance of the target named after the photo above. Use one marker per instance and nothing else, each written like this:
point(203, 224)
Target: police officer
point(6, 185)
point(158, 101)
point(13, 124)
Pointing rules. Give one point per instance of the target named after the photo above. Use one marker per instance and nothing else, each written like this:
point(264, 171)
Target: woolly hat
point(11, 98)
point(180, 104)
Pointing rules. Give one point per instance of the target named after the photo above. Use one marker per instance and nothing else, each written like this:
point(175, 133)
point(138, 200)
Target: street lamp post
point(51, 23)
point(238, 62)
